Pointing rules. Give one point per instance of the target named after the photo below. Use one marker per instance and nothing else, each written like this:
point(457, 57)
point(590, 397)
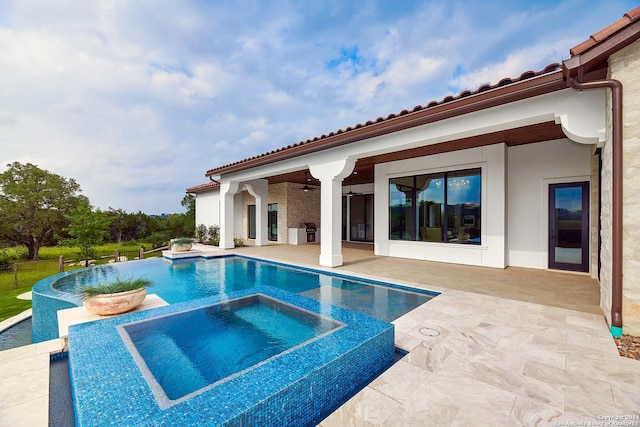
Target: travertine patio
point(513, 347)
point(497, 347)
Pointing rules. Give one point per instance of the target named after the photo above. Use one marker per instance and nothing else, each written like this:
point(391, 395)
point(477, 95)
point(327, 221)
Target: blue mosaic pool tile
point(47, 301)
point(298, 388)
point(45, 305)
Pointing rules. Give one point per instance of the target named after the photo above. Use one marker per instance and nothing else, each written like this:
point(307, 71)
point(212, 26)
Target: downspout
point(616, 200)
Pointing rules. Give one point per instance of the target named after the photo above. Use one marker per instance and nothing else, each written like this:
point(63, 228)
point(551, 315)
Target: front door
point(569, 226)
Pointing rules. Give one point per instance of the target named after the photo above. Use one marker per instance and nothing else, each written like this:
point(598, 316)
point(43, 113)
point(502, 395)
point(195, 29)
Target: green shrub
point(214, 232)
point(181, 241)
point(201, 233)
point(208, 236)
point(18, 253)
point(5, 258)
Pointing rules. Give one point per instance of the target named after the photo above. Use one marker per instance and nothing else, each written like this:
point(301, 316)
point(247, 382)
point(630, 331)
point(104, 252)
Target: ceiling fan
point(306, 187)
point(351, 193)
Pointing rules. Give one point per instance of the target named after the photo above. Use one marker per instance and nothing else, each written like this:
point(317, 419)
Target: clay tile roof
point(201, 188)
point(432, 104)
point(606, 32)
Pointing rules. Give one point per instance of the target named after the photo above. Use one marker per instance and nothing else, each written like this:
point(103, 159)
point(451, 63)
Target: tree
point(118, 217)
point(32, 205)
point(87, 228)
point(189, 202)
point(180, 225)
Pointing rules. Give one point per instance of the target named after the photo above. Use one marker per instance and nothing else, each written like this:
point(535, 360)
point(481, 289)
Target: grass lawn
point(53, 252)
point(10, 305)
point(29, 272)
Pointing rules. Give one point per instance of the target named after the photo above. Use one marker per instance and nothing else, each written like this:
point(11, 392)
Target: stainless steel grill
point(311, 231)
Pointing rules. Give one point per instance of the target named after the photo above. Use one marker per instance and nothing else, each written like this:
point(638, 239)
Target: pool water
point(16, 336)
point(186, 280)
point(186, 352)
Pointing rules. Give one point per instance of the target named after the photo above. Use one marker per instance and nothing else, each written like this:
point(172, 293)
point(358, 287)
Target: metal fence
point(24, 274)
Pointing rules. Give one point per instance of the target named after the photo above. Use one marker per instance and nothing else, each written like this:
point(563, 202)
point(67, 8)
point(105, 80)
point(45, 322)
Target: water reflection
point(186, 280)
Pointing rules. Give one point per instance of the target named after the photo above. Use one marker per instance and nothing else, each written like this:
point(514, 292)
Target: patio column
point(259, 188)
point(331, 175)
point(228, 191)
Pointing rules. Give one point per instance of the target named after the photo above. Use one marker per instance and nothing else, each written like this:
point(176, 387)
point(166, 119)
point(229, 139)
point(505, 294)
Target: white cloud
point(118, 94)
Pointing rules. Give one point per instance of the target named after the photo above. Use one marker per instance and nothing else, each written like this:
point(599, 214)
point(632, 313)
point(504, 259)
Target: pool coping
point(95, 357)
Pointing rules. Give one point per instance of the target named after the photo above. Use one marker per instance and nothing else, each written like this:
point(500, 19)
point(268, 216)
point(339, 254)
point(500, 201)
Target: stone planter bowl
point(109, 304)
point(181, 247)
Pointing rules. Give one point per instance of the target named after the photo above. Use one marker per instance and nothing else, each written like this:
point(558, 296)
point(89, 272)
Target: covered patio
point(572, 291)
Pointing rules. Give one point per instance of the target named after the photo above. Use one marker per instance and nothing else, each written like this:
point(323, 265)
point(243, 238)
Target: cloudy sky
point(137, 99)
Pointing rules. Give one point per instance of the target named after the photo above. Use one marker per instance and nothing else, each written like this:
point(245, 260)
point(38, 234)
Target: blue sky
point(137, 99)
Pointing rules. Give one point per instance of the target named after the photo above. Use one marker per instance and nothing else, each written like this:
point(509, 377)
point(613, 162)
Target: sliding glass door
point(361, 217)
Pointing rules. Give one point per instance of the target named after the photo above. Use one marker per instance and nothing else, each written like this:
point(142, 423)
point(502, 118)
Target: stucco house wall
point(531, 168)
point(208, 208)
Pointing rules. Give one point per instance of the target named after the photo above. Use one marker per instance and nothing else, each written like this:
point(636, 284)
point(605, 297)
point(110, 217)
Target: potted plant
point(181, 244)
point(116, 297)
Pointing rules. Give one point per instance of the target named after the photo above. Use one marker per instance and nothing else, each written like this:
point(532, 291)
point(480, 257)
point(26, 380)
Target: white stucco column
point(228, 191)
point(259, 188)
point(331, 175)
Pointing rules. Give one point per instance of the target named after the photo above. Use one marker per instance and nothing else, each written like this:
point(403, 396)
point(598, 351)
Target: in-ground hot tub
point(184, 353)
point(308, 374)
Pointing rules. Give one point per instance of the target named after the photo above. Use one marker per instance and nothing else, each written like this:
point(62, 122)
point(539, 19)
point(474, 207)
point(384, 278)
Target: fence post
point(116, 255)
point(15, 275)
point(61, 263)
point(141, 256)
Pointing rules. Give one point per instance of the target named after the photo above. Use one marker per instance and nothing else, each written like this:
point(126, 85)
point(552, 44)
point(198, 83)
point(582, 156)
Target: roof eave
point(593, 57)
point(202, 188)
point(546, 83)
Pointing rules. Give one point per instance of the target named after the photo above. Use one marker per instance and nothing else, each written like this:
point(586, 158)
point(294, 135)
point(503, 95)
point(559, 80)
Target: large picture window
point(439, 207)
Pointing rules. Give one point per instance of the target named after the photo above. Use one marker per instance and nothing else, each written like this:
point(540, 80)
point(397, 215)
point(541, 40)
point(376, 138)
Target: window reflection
point(440, 207)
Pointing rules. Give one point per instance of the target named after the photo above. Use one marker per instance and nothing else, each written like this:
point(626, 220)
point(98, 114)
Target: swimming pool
point(194, 278)
point(302, 384)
